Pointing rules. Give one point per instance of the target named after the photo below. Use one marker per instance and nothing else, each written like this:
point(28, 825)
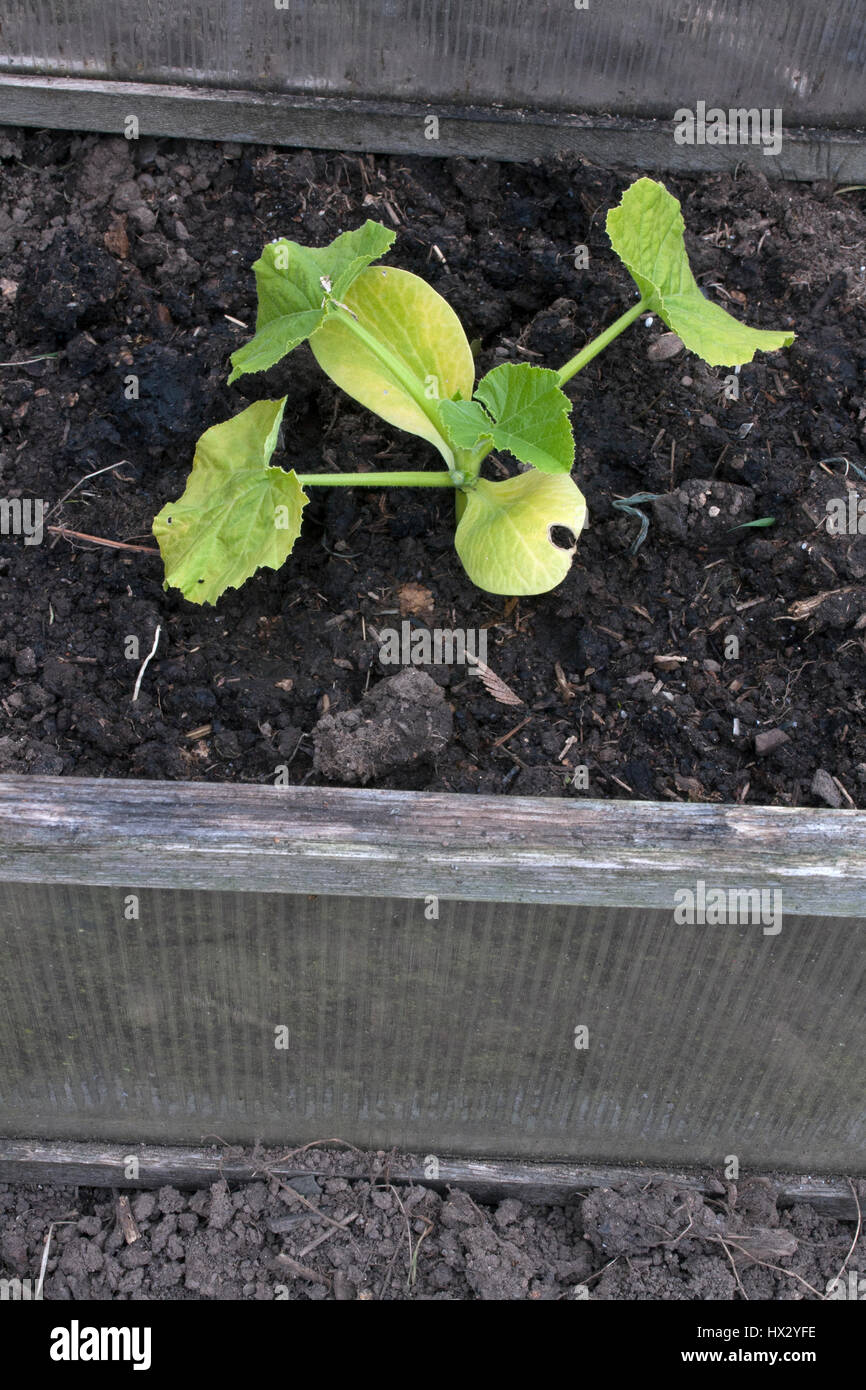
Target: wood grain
point(406, 844)
point(398, 127)
point(489, 1180)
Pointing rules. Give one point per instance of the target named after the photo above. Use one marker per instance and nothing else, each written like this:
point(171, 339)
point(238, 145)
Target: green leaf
point(421, 335)
point(762, 521)
point(273, 342)
point(467, 423)
point(529, 417)
point(293, 301)
point(646, 232)
point(503, 535)
point(236, 514)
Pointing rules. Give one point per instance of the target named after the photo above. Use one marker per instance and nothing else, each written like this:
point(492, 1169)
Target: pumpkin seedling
point(393, 344)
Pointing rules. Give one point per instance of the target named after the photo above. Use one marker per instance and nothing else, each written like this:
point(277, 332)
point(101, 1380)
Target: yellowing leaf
point(420, 330)
point(236, 514)
point(504, 533)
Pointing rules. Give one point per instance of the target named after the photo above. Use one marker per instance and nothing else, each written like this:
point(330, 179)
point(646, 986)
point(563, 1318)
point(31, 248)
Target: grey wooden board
point(384, 126)
point(94, 1165)
point(628, 56)
point(454, 1035)
point(407, 844)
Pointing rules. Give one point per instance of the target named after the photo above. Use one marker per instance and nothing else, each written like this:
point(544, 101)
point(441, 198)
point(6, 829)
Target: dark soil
point(644, 1239)
point(134, 258)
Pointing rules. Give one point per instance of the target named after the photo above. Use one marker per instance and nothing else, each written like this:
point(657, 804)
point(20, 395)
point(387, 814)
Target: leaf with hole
point(504, 534)
point(395, 346)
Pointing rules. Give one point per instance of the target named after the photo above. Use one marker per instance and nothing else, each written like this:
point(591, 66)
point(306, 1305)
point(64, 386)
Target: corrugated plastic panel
point(628, 57)
point(452, 1035)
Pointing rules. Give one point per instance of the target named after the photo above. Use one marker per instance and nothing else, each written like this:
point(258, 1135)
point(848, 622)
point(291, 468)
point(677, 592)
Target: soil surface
point(348, 1228)
point(133, 258)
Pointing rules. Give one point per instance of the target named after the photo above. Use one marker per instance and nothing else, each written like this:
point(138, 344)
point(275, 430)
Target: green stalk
point(375, 479)
point(576, 364)
point(468, 462)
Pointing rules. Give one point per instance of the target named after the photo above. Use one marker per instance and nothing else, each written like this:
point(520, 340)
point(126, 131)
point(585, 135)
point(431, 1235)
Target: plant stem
point(592, 349)
point(375, 479)
point(468, 461)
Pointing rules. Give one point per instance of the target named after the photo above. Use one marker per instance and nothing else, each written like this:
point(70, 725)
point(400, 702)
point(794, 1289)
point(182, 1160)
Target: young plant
point(394, 345)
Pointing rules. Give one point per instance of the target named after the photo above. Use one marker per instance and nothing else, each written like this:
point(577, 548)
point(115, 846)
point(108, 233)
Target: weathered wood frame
point(93, 1165)
point(398, 127)
point(470, 848)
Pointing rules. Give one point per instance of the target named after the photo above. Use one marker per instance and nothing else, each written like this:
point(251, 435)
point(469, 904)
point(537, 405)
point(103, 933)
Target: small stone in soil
point(825, 789)
point(769, 740)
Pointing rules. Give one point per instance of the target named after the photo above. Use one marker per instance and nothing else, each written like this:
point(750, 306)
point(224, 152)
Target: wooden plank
point(400, 127)
point(410, 844)
point(489, 1180)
